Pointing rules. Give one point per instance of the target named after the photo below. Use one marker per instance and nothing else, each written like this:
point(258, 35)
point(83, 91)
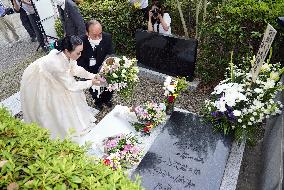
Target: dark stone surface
point(166, 54)
point(273, 151)
point(186, 155)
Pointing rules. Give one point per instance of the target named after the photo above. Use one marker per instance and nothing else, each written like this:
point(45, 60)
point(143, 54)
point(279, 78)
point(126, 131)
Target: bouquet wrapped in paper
point(121, 151)
point(149, 115)
point(120, 74)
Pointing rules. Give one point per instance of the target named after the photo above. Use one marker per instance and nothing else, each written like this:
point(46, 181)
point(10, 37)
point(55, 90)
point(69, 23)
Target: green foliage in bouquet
point(29, 159)
point(173, 87)
point(238, 106)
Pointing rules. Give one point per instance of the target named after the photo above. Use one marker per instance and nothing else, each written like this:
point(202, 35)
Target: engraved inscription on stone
point(186, 155)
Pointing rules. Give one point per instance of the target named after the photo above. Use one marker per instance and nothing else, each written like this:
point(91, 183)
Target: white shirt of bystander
point(28, 8)
point(168, 21)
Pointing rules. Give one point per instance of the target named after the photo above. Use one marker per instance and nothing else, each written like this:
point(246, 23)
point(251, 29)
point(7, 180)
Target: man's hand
point(28, 2)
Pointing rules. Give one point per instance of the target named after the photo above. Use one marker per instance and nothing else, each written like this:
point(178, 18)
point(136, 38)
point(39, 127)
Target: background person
point(24, 19)
point(97, 46)
point(158, 20)
point(6, 26)
point(50, 95)
point(71, 18)
point(28, 7)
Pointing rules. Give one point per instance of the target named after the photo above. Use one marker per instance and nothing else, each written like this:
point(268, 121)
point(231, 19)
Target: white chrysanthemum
point(114, 75)
point(269, 84)
point(237, 113)
point(265, 67)
point(249, 123)
point(220, 105)
point(258, 90)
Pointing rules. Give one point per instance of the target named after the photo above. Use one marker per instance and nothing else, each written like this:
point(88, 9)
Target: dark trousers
point(27, 24)
point(38, 33)
point(104, 97)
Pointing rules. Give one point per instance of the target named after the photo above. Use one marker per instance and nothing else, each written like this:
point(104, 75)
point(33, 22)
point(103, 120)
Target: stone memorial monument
point(170, 55)
point(187, 154)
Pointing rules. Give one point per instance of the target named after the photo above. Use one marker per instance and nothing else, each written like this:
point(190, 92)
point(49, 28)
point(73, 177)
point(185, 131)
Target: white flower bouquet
point(238, 106)
point(120, 74)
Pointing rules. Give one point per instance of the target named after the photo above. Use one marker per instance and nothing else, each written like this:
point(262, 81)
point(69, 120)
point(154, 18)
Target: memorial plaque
point(166, 54)
point(264, 47)
point(187, 154)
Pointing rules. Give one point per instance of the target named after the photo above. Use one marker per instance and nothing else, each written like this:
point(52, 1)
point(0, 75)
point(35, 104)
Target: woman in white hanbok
point(50, 95)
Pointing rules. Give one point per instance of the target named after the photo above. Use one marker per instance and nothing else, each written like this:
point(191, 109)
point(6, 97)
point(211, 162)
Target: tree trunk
point(198, 7)
point(182, 19)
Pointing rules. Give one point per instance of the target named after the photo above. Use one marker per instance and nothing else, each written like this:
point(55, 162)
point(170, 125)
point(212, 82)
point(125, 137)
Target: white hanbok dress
point(51, 97)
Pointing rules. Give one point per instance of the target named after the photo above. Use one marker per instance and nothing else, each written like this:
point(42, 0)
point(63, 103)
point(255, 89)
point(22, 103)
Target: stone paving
point(17, 51)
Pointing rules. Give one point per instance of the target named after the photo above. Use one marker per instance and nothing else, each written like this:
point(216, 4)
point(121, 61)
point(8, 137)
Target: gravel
point(150, 90)
point(10, 77)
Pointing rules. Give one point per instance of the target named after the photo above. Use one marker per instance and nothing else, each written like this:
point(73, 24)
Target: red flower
point(171, 99)
point(146, 130)
point(106, 162)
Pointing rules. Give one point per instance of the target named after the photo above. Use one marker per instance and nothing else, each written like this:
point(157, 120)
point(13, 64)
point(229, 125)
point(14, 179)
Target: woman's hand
point(99, 80)
point(96, 82)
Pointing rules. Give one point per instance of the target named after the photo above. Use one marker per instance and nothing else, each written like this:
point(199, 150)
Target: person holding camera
point(6, 26)
point(159, 21)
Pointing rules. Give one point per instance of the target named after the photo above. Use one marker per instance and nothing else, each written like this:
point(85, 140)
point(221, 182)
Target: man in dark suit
point(71, 18)
point(97, 45)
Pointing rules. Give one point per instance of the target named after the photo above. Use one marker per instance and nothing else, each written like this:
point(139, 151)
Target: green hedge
point(30, 160)
point(121, 19)
point(238, 26)
point(230, 25)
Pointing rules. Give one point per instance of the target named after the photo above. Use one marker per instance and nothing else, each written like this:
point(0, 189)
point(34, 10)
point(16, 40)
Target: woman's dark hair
point(69, 43)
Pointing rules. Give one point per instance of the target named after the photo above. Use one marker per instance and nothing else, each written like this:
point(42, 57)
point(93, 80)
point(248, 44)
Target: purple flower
point(214, 114)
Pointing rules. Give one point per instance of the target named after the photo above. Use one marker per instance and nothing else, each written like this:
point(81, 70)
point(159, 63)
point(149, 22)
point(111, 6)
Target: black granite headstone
point(186, 155)
point(170, 55)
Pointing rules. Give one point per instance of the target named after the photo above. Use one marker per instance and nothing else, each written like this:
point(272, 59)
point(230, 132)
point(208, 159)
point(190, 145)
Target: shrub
point(121, 20)
point(235, 25)
point(30, 160)
point(59, 28)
